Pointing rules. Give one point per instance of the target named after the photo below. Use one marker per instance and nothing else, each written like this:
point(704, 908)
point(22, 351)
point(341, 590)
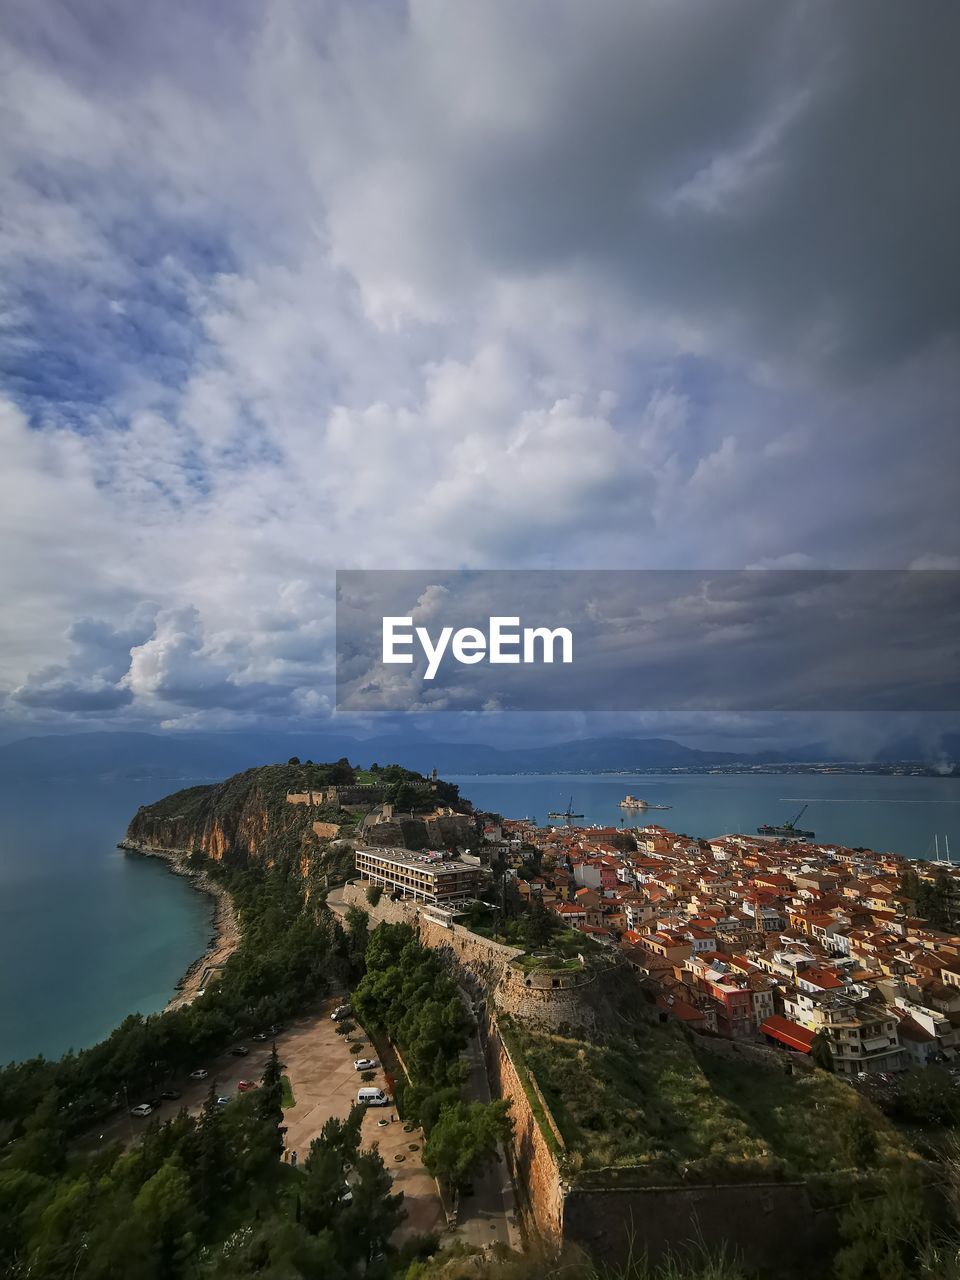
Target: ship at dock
point(635, 802)
point(789, 830)
point(567, 815)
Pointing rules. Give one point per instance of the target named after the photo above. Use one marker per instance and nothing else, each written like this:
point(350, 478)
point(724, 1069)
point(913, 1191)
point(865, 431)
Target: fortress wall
point(531, 1161)
point(753, 1220)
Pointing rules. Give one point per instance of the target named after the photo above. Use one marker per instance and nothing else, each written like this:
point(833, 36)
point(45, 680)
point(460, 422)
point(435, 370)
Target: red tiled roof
point(788, 1033)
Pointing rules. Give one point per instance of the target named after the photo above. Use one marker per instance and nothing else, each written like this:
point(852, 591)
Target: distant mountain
point(146, 755)
point(217, 755)
point(196, 756)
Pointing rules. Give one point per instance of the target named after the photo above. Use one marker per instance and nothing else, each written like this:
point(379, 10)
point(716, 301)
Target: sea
point(89, 934)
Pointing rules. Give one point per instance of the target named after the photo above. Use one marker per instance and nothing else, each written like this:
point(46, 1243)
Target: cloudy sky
point(288, 286)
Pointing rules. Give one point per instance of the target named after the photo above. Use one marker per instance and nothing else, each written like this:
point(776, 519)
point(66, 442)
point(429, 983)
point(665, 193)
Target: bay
point(885, 813)
point(88, 934)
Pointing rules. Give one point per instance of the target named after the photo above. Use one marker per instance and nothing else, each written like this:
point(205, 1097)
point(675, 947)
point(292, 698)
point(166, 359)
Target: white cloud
point(385, 288)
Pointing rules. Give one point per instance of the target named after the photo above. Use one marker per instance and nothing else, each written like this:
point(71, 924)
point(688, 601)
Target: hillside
point(248, 815)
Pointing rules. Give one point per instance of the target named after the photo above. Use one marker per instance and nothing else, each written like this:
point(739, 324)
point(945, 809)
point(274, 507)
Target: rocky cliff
point(248, 815)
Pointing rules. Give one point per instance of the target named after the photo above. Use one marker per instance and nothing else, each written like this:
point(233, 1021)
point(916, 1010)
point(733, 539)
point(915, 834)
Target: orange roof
point(789, 1033)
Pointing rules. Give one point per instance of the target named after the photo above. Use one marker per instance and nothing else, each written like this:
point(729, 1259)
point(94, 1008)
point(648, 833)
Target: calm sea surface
point(883, 813)
point(88, 935)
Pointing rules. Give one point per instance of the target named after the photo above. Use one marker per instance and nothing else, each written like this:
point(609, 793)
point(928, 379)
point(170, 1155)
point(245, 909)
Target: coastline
point(226, 930)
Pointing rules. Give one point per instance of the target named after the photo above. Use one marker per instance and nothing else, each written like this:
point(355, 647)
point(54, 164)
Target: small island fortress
point(635, 802)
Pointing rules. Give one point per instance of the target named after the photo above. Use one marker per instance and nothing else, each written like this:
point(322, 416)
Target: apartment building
point(425, 877)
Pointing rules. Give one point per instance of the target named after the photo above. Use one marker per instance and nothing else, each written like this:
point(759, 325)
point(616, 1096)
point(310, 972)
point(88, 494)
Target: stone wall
point(314, 798)
point(770, 1226)
point(532, 1165)
point(752, 1219)
point(480, 962)
point(560, 1000)
point(533, 999)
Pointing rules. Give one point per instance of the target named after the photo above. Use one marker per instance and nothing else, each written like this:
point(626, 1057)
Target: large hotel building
point(426, 877)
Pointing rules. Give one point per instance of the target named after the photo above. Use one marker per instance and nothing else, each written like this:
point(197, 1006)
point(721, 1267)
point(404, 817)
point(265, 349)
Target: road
point(488, 1215)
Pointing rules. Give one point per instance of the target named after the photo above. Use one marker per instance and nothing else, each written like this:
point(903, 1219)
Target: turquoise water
point(87, 933)
point(883, 813)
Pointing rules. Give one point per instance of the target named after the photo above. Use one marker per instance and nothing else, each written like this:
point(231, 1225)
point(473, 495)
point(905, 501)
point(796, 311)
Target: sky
point(292, 287)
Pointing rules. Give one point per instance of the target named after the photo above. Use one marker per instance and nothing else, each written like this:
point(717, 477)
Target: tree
point(358, 936)
point(165, 1217)
point(366, 1223)
point(268, 1109)
point(294, 760)
point(860, 1140)
point(333, 1154)
point(884, 1235)
point(464, 1140)
point(820, 1052)
point(374, 894)
point(539, 925)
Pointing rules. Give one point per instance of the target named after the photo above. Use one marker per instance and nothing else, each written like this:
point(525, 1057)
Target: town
point(846, 954)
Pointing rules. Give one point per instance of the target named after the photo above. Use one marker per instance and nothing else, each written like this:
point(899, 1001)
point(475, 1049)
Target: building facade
point(425, 877)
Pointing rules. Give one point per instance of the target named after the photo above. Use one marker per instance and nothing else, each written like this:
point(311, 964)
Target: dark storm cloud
point(775, 174)
point(721, 641)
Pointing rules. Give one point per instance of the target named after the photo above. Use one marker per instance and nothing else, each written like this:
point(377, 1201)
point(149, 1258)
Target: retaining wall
point(772, 1227)
point(532, 1165)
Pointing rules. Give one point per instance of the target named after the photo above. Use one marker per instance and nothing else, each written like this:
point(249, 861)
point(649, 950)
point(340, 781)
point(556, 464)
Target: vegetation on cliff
point(249, 813)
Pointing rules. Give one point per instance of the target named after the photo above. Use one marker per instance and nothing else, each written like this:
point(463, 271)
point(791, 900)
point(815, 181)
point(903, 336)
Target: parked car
point(346, 1196)
point(170, 1095)
point(222, 1102)
point(277, 1028)
point(199, 1074)
point(144, 1109)
point(239, 1050)
point(373, 1098)
point(341, 1011)
point(246, 1085)
point(364, 1064)
point(261, 1036)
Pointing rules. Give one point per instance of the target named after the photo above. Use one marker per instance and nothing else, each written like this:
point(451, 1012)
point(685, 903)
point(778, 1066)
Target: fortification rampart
point(753, 1219)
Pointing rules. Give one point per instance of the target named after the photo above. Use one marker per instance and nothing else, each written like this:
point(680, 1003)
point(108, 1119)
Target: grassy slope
point(649, 1103)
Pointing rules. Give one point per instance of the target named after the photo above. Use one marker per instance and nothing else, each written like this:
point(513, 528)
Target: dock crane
point(789, 830)
point(566, 816)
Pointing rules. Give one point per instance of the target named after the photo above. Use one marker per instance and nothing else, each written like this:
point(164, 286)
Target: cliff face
point(248, 814)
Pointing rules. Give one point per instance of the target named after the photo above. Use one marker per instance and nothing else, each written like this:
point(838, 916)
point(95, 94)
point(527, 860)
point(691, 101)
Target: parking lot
point(320, 1070)
point(319, 1065)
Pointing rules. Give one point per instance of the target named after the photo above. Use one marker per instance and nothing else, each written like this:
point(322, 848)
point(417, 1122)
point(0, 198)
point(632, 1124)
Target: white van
point(373, 1097)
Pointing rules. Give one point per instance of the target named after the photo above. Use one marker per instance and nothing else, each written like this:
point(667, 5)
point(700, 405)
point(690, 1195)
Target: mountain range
point(216, 755)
